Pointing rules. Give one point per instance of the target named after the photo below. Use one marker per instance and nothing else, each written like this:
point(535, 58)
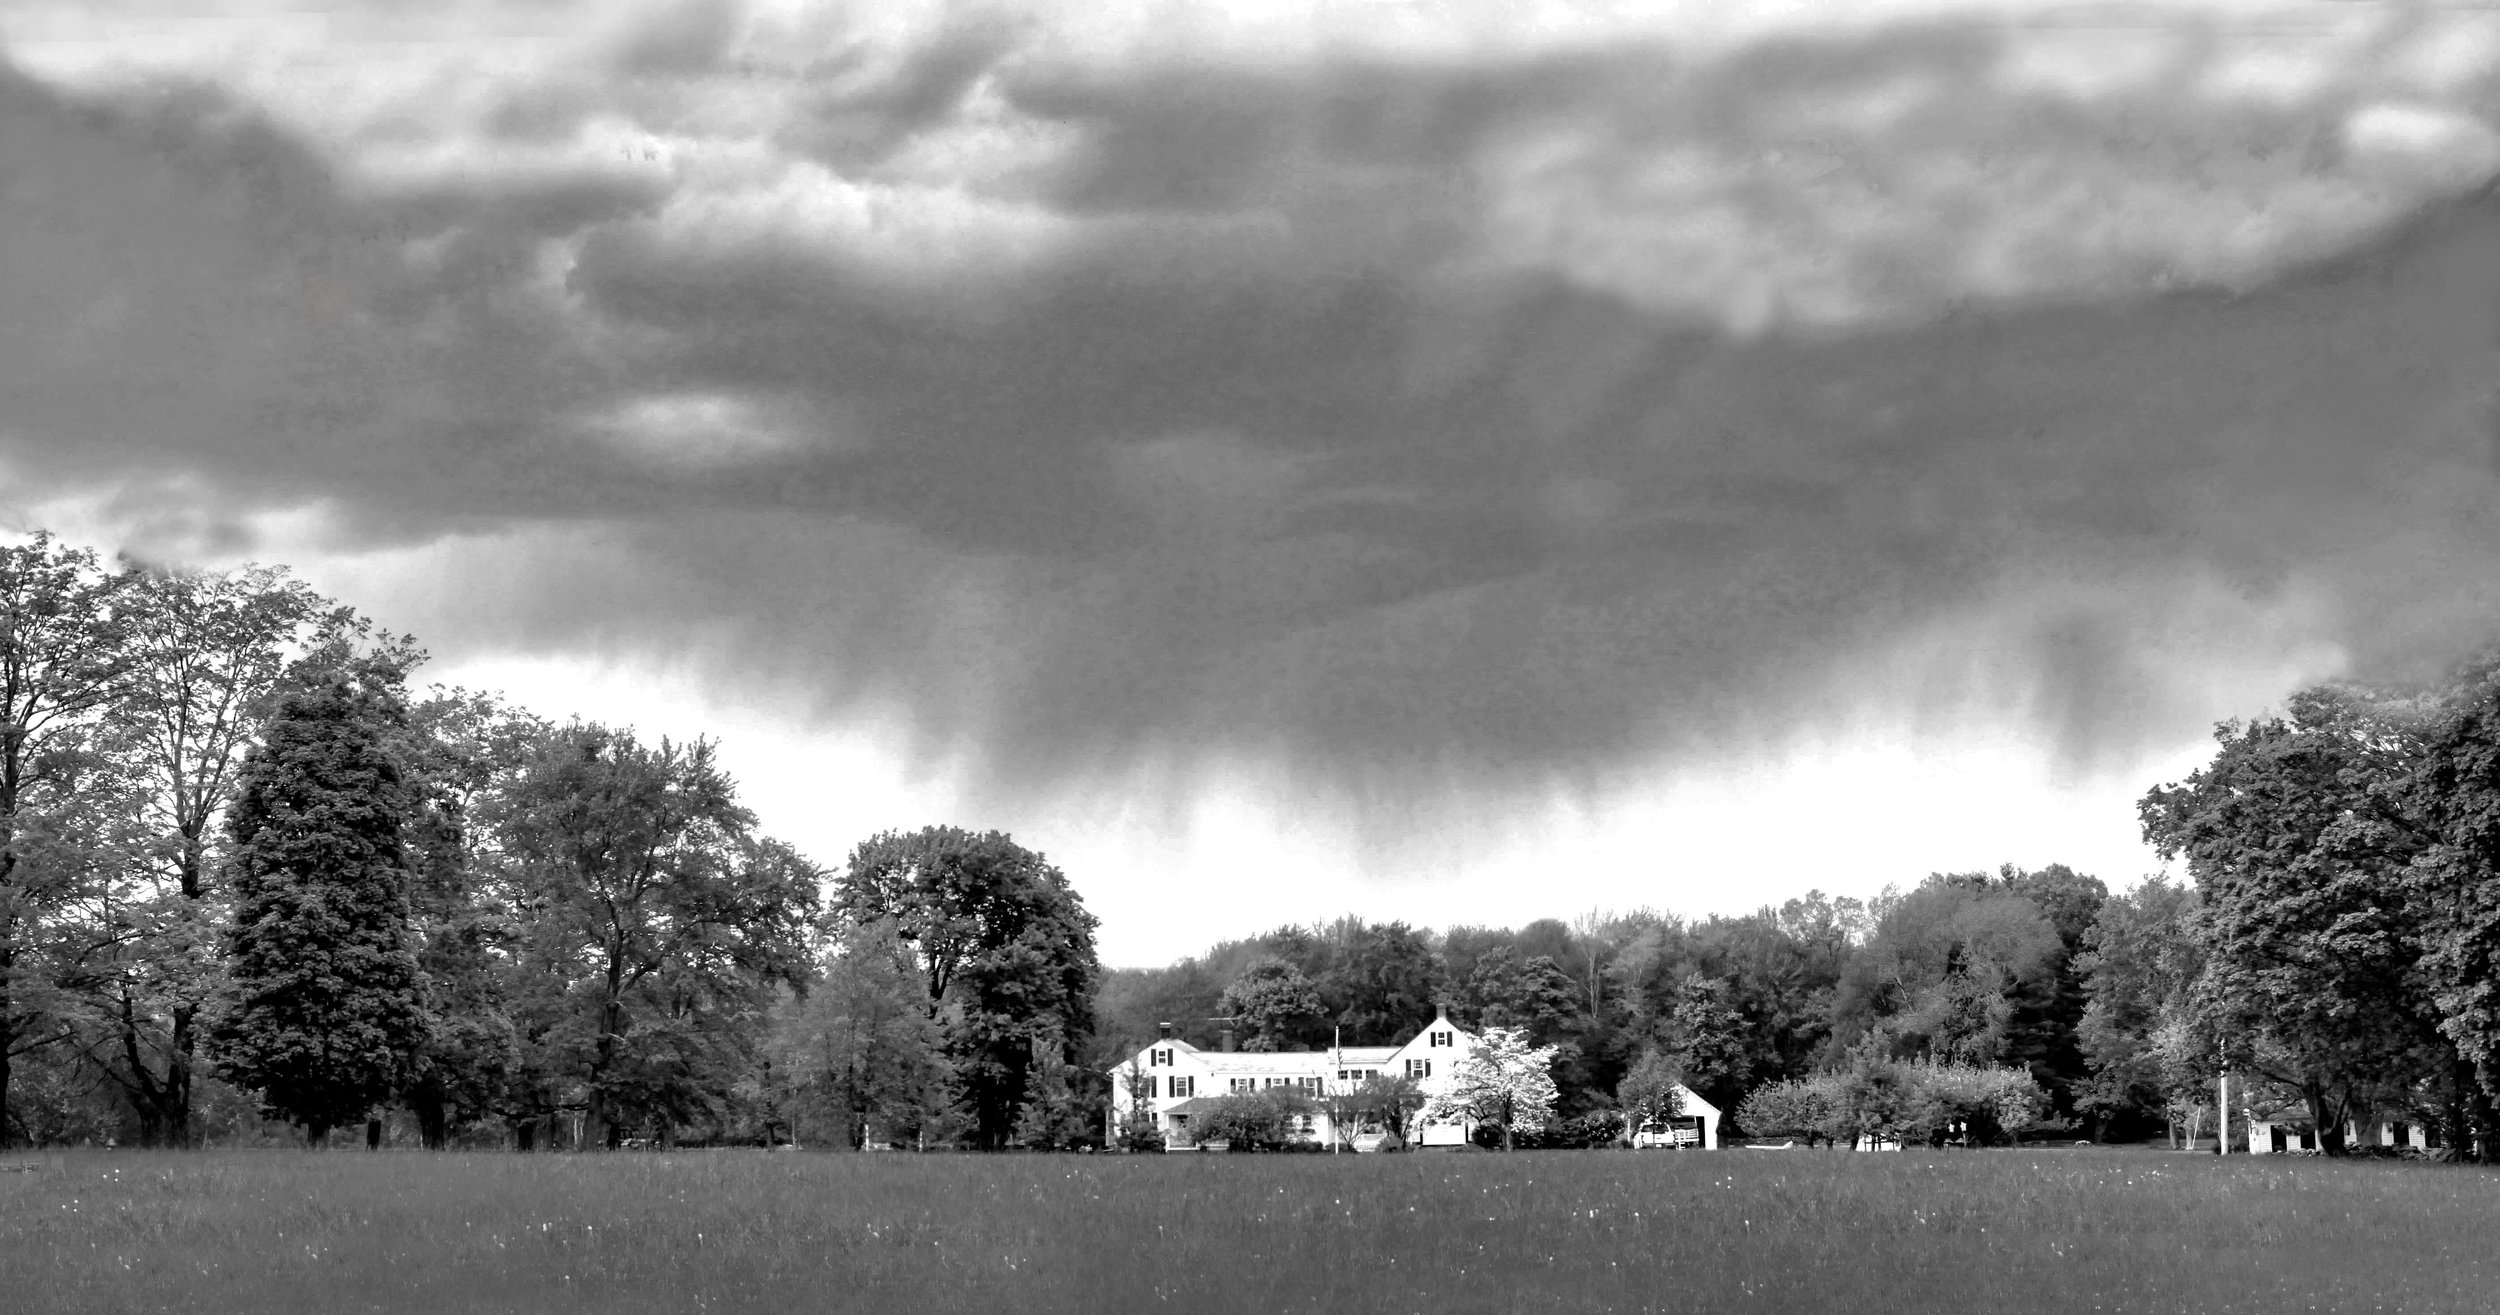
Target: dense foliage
point(320, 1008)
point(244, 872)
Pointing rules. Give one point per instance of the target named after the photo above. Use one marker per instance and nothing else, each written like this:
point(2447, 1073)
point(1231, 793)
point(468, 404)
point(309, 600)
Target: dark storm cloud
point(1427, 426)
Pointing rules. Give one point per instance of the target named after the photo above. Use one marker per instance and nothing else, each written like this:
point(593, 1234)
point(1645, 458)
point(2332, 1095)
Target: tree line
point(2335, 948)
point(1984, 968)
point(247, 873)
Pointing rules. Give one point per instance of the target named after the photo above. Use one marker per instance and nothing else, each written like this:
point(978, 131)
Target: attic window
point(1442, 1039)
point(1159, 1059)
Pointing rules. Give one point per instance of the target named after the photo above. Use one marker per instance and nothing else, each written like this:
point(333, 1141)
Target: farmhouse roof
point(1294, 1061)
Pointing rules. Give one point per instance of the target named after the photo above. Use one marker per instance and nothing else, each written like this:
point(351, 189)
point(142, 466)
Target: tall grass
point(1558, 1231)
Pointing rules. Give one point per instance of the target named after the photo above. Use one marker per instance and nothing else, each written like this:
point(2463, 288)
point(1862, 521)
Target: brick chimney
point(1163, 1031)
point(1228, 1039)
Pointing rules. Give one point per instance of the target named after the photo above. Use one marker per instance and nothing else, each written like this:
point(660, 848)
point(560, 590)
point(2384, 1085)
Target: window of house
point(1240, 1085)
point(1146, 1086)
point(1159, 1058)
point(1181, 1086)
point(1442, 1039)
point(1419, 1068)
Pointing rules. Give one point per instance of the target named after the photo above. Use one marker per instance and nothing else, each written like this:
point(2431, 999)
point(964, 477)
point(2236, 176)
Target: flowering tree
point(1505, 1082)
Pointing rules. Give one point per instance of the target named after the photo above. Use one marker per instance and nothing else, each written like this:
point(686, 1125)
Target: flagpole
point(1336, 1064)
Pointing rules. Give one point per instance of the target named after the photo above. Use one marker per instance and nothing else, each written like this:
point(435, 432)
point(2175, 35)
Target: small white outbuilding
point(1697, 1128)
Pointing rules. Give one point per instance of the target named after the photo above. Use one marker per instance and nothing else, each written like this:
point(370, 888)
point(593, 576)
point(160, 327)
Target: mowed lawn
point(1998, 1231)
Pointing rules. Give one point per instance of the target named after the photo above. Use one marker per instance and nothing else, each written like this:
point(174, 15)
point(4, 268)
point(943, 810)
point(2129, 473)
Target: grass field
point(2029, 1232)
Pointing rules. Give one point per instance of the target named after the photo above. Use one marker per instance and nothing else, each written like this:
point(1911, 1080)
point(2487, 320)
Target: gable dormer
point(1166, 1053)
point(1434, 1051)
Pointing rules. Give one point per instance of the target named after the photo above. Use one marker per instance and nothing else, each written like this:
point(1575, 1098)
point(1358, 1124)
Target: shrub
point(1593, 1130)
point(1254, 1121)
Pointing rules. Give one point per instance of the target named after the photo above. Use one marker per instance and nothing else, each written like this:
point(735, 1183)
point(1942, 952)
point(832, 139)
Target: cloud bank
point(1432, 407)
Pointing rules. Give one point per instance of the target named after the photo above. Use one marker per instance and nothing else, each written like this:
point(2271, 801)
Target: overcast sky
point(1460, 462)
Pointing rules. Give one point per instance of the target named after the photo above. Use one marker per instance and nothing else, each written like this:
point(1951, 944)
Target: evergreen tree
point(321, 1009)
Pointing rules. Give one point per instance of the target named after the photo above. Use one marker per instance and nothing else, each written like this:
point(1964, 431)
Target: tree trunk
point(433, 1121)
point(525, 1136)
point(174, 1093)
point(2329, 1123)
point(373, 1134)
point(7, 1038)
point(2486, 1125)
point(317, 1136)
point(2452, 1116)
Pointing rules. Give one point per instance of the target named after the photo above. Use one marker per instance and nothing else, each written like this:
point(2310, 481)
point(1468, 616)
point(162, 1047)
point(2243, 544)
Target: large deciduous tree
point(1004, 946)
point(1534, 994)
point(652, 925)
point(2301, 852)
point(1274, 1005)
point(461, 747)
point(1385, 983)
point(2146, 1057)
point(320, 1010)
point(2454, 883)
point(64, 660)
point(1951, 971)
point(208, 652)
point(860, 1046)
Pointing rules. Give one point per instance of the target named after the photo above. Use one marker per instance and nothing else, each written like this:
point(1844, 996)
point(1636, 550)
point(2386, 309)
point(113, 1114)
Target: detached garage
point(1697, 1128)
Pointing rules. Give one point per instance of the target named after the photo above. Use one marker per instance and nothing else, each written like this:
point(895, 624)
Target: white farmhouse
point(1177, 1074)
